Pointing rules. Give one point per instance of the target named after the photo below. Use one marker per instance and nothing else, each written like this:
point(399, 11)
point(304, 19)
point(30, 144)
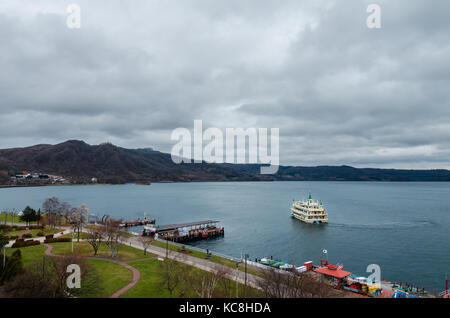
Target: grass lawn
point(113, 276)
point(46, 230)
point(213, 258)
point(150, 284)
point(126, 253)
point(10, 219)
point(83, 235)
point(29, 253)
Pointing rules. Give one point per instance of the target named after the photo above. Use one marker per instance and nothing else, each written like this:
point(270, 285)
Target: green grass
point(10, 219)
point(83, 235)
point(113, 277)
point(213, 258)
point(126, 253)
point(46, 230)
point(34, 232)
point(150, 284)
point(30, 254)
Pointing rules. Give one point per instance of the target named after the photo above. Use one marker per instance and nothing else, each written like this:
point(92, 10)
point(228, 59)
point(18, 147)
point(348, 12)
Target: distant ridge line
point(80, 162)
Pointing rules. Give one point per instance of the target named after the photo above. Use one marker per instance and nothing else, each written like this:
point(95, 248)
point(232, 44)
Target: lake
point(403, 227)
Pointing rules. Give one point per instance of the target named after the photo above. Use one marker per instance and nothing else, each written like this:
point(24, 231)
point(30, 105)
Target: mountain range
point(78, 162)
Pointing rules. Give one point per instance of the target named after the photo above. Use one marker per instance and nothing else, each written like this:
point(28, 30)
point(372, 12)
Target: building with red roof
point(333, 273)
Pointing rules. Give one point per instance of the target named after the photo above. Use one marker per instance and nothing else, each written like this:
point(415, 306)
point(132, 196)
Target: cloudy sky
point(339, 92)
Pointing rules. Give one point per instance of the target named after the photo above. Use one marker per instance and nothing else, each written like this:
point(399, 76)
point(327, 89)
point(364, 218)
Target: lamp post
point(246, 257)
point(167, 247)
point(237, 275)
point(73, 236)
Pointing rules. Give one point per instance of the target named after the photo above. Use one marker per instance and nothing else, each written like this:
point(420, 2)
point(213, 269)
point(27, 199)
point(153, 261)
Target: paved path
point(42, 238)
point(203, 264)
point(26, 232)
point(134, 271)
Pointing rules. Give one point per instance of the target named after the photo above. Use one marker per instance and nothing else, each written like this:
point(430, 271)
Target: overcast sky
point(339, 92)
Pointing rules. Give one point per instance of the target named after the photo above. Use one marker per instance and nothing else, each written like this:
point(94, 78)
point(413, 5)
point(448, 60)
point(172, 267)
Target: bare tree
point(288, 284)
point(113, 235)
point(5, 212)
point(54, 210)
point(146, 242)
point(226, 284)
point(94, 238)
point(206, 285)
point(47, 278)
point(13, 214)
point(173, 274)
point(77, 217)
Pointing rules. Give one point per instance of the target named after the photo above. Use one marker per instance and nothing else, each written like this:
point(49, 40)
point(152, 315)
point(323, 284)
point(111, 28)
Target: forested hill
point(78, 161)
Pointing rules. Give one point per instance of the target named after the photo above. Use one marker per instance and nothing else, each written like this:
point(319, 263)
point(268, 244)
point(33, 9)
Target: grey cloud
point(339, 92)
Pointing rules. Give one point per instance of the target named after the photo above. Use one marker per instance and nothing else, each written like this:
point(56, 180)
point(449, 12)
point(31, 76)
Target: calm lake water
point(403, 227)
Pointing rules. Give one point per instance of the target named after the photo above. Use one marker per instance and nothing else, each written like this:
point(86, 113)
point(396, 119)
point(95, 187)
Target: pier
point(185, 232)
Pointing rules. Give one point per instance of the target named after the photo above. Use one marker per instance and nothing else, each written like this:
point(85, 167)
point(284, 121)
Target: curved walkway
point(134, 280)
point(26, 232)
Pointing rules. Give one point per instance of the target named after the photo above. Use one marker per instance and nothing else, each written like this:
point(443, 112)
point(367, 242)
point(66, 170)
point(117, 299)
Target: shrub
point(19, 228)
point(5, 227)
point(27, 235)
point(13, 237)
point(36, 227)
point(40, 233)
point(25, 243)
point(13, 267)
point(58, 240)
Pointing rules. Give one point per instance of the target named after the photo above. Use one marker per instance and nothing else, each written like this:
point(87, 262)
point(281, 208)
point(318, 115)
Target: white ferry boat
point(309, 211)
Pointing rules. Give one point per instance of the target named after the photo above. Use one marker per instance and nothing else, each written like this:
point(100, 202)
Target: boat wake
point(385, 226)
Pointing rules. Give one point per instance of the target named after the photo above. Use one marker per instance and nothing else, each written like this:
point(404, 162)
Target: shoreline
point(210, 181)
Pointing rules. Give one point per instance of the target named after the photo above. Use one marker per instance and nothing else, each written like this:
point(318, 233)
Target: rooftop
point(171, 227)
point(333, 271)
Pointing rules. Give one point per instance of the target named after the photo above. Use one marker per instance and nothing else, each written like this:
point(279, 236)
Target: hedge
point(25, 243)
point(58, 240)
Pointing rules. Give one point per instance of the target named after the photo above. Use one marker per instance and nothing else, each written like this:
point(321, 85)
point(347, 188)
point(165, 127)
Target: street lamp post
point(167, 247)
point(246, 257)
point(237, 276)
point(73, 236)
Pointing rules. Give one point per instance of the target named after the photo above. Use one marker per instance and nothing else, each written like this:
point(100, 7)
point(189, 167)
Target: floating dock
point(185, 232)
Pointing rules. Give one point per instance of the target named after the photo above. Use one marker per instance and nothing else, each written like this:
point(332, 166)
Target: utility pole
point(237, 275)
point(73, 236)
point(167, 247)
point(246, 257)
